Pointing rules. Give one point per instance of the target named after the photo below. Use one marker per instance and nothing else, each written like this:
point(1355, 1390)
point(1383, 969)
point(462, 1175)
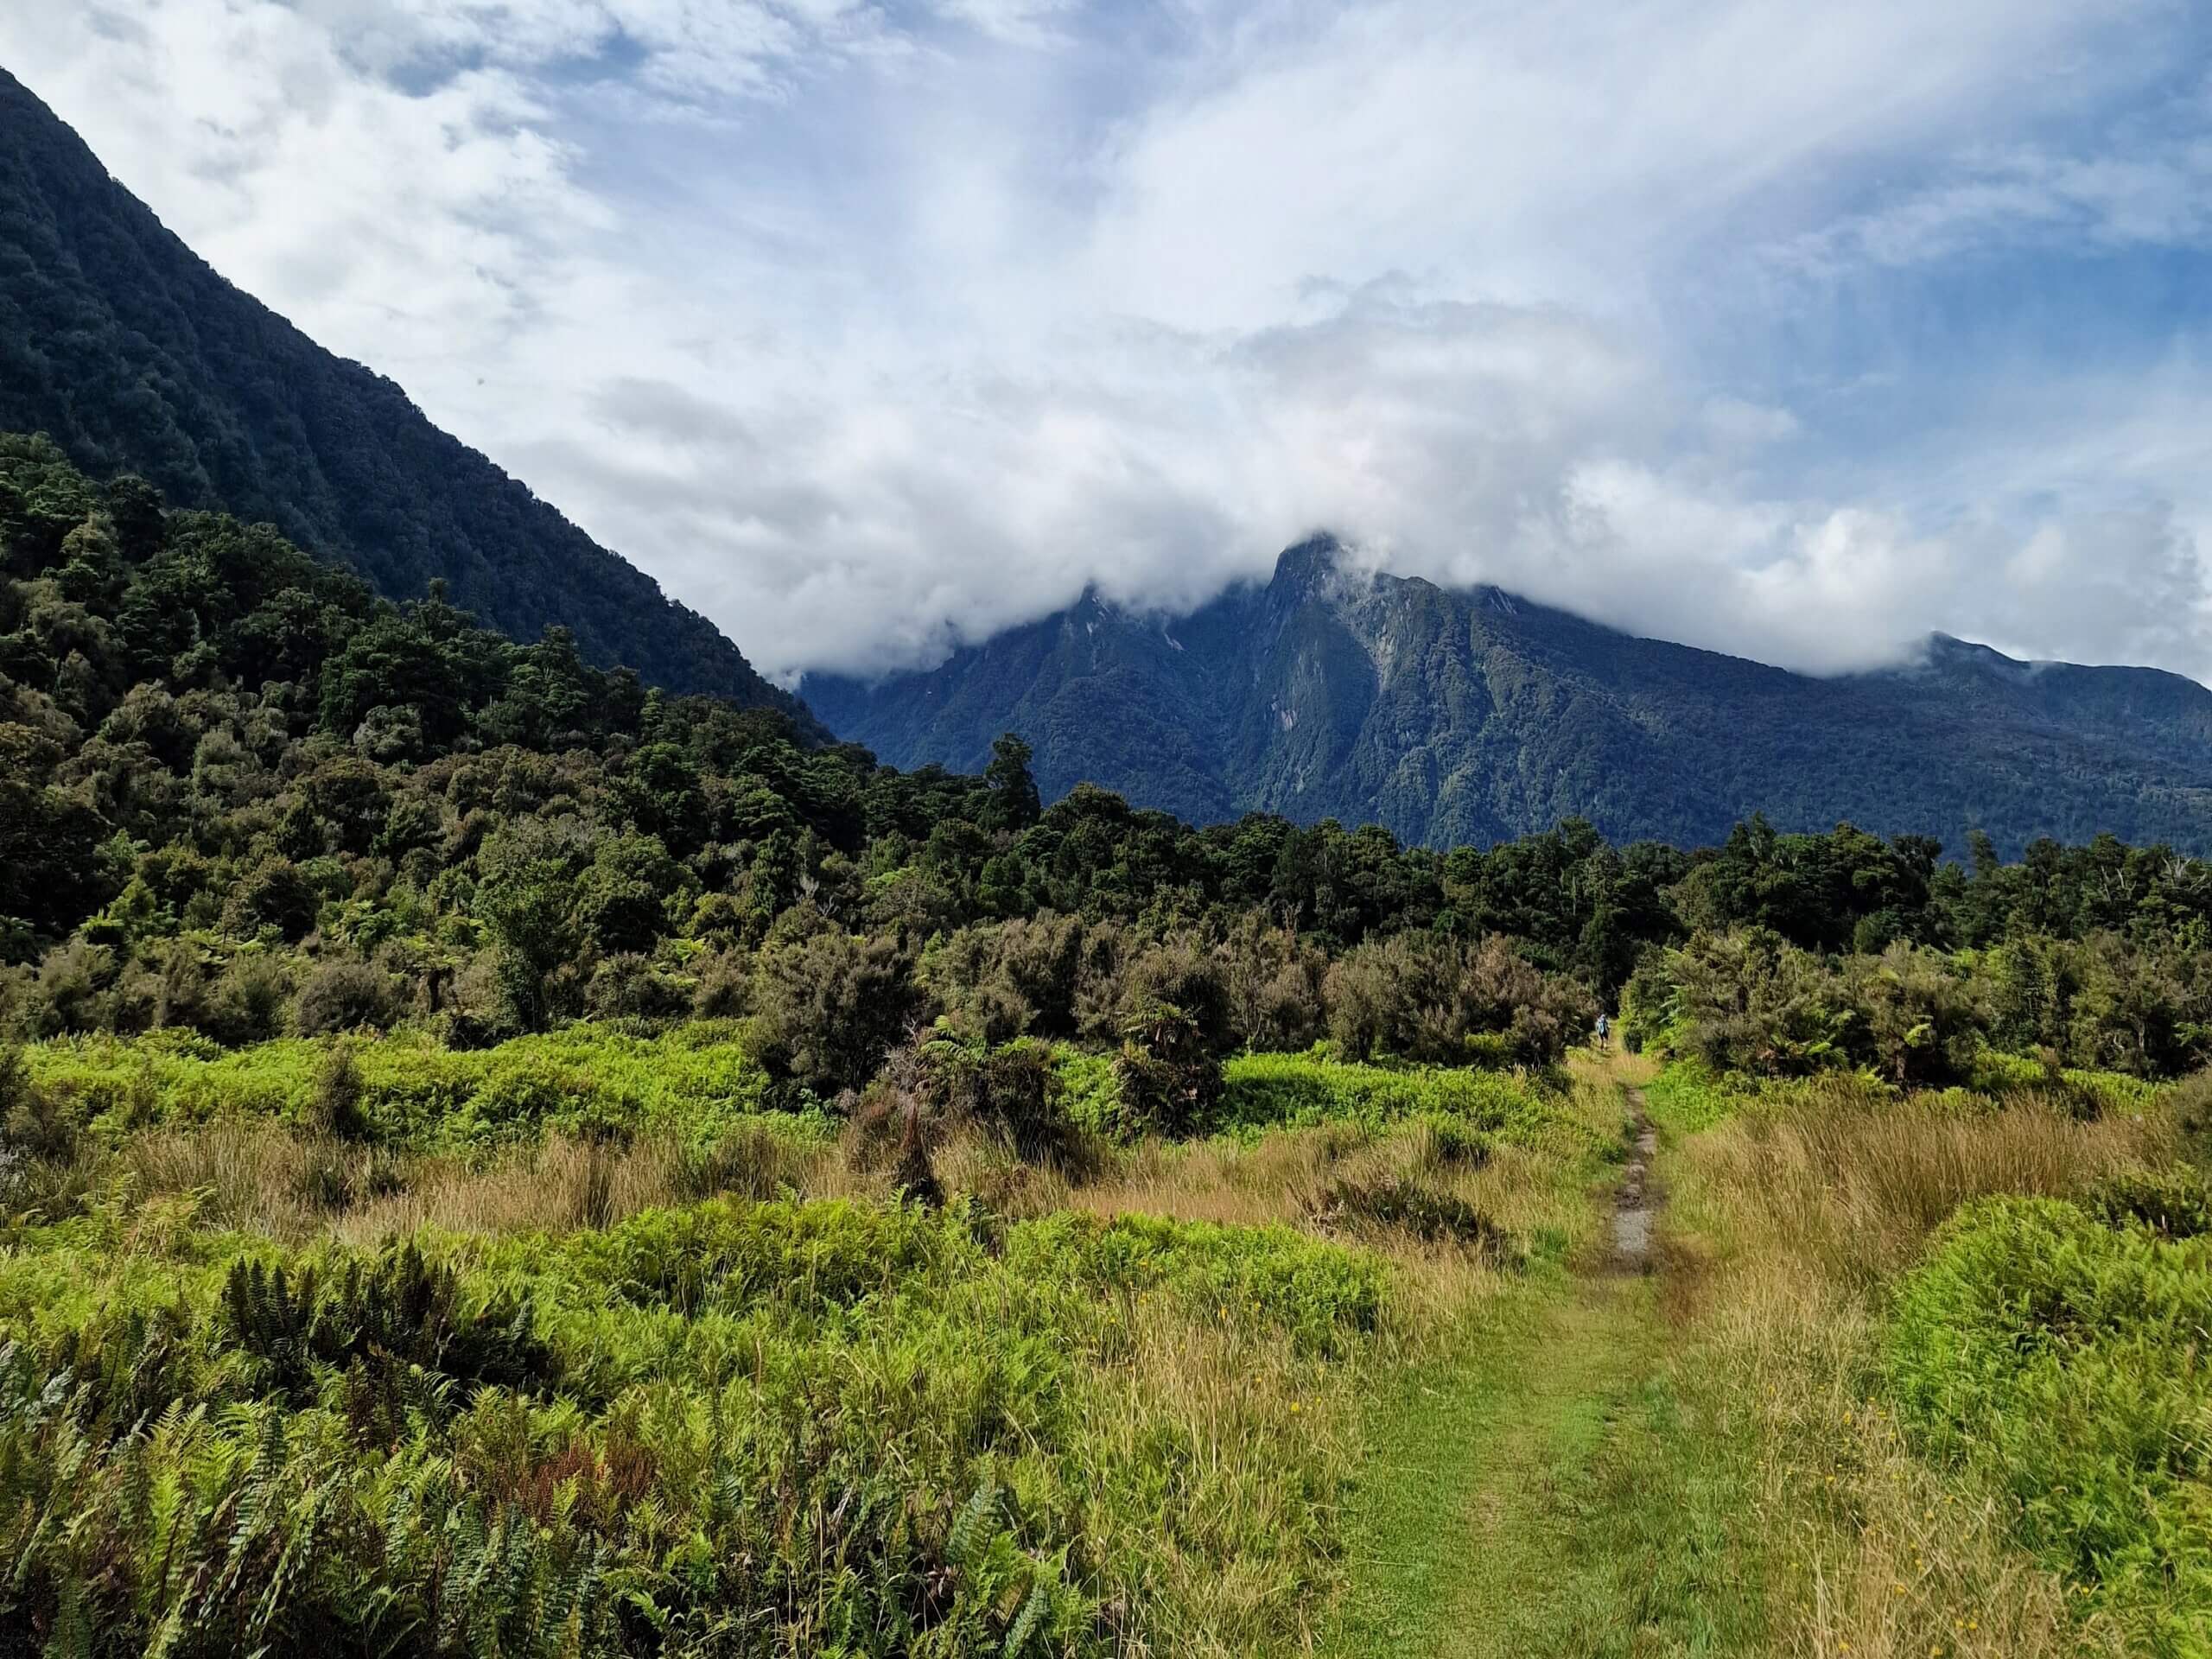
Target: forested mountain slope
point(133, 354)
point(1476, 717)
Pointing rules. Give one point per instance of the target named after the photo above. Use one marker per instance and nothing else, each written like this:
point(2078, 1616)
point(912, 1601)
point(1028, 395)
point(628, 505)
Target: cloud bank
point(870, 327)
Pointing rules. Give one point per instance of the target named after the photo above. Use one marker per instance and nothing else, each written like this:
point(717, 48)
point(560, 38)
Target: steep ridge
point(1473, 716)
point(133, 354)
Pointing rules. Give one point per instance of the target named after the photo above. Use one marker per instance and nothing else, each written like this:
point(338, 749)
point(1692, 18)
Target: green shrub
point(1091, 1087)
point(248, 1002)
point(1263, 1091)
point(731, 1429)
point(1015, 1094)
point(2175, 1202)
point(1169, 1080)
point(344, 996)
point(1322, 1293)
point(2063, 1359)
point(337, 1109)
point(698, 1081)
point(1430, 998)
point(33, 1122)
point(830, 1006)
point(1687, 1097)
point(2087, 1094)
point(386, 1316)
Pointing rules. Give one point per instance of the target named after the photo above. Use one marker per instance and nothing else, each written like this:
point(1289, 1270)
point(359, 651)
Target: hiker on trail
point(1604, 1029)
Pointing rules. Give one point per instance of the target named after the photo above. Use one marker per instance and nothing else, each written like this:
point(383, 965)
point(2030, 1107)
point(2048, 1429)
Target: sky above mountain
point(1795, 332)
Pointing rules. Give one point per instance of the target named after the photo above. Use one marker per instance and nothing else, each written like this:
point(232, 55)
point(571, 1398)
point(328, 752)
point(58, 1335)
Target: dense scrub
point(694, 1080)
point(246, 798)
point(1746, 1001)
point(2059, 1348)
point(734, 1428)
point(743, 1421)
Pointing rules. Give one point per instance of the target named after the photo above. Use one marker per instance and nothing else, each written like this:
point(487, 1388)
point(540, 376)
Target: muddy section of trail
point(1634, 1206)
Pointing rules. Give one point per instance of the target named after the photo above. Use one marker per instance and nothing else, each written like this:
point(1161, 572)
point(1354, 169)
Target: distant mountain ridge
point(1474, 716)
point(133, 354)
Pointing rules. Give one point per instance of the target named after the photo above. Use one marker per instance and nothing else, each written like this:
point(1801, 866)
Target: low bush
point(699, 1081)
point(1687, 1097)
point(2063, 1358)
point(734, 1429)
point(1436, 999)
point(2175, 1202)
point(1169, 1080)
point(337, 1108)
point(830, 1007)
point(1263, 1091)
point(344, 996)
point(1014, 1094)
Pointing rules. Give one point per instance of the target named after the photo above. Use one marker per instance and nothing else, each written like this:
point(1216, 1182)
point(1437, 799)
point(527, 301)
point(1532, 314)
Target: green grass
point(1265, 1091)
point(698, 1081)
point(1686, 1097)
point(1554, 1489)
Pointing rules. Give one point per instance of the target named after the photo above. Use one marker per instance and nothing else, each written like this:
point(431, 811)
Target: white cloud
point(867, 326)
point(2156, 195)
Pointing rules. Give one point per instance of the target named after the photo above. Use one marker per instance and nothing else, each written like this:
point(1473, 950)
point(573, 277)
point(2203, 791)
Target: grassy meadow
point(498, 1158)
point(567, 1346)
point(574, 1345)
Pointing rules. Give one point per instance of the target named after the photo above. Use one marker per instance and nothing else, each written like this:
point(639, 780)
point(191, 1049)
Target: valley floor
point(1435, 1363)
point(1691, 1453)
point(1556, 1496)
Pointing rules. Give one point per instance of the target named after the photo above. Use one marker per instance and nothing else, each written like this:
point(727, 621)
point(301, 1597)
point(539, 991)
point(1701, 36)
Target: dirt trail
point(1546, 1493)
point(1635, 1205)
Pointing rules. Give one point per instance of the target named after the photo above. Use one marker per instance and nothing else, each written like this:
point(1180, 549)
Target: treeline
point(241, 794)
point(1748, 1000)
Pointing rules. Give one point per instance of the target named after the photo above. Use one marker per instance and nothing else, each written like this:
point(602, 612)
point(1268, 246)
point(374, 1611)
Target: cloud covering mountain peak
point(871, 328)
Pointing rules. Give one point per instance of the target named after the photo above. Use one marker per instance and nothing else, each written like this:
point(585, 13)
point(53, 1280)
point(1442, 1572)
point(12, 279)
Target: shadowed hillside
point(127, 348)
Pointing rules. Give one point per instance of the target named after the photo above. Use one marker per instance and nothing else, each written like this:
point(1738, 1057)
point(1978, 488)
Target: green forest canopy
point(242, 793)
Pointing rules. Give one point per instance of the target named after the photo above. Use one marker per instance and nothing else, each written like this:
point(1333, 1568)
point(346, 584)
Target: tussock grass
point(1855, 1186)
point(259, 1176)
point(1791, 1227)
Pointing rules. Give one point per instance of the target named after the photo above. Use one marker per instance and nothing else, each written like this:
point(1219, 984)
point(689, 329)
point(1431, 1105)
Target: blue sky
point(1795, 332)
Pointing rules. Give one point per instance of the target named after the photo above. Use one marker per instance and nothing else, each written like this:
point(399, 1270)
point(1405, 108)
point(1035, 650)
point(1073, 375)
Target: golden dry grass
point(1857, 1187)
point(1786, 1228)
point(261, 1176)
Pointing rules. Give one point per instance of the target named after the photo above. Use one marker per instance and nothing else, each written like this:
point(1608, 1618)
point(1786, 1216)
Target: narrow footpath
point(1549, 1491)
